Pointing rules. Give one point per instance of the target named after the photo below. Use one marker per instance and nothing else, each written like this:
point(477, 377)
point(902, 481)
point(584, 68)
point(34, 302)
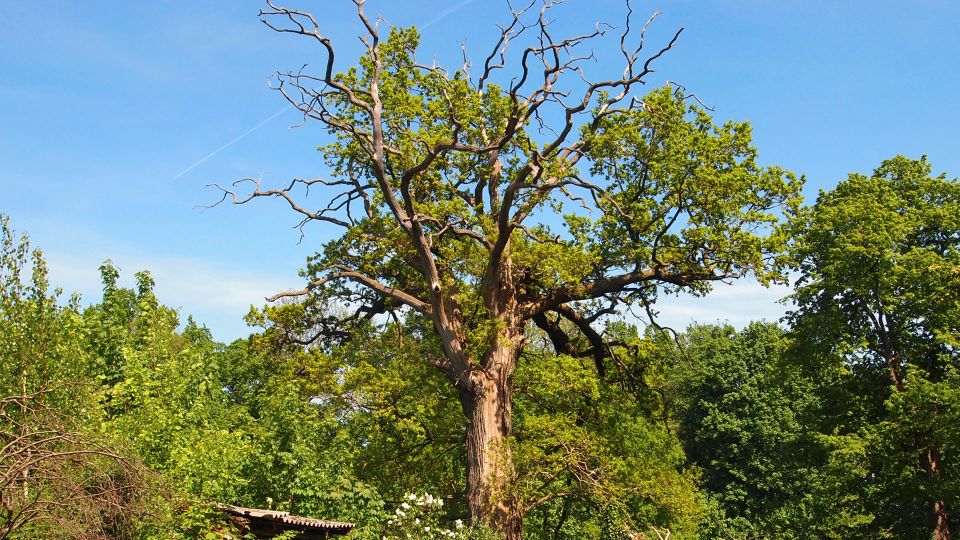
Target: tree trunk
point(490, 470)
point(487, 400)
point(941, 523)
point(941, 530)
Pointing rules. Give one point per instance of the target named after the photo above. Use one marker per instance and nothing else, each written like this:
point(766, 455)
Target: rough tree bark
point(489, 460)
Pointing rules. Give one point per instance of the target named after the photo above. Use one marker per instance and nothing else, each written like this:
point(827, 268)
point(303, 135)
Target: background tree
point(58, 477)
point(220, 424)
point(878, 299)
point(743, 404)
point(446, 183)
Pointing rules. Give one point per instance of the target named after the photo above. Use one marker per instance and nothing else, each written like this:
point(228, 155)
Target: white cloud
point(446, 13)
point(738, 303)
point(217, 296)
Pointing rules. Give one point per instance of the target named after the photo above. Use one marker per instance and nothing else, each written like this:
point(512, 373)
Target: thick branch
point(362, 279)
point(613, 284)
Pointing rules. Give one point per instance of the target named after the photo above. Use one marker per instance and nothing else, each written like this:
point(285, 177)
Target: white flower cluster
point(418, 518)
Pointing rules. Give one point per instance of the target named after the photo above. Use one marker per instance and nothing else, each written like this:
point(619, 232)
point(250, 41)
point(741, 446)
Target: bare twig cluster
point(54, 478)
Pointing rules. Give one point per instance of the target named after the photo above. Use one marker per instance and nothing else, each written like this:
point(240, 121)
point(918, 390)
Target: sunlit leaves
point(685, 193)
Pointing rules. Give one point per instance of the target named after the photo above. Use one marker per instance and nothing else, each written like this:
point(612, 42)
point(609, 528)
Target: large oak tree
point(513, 192)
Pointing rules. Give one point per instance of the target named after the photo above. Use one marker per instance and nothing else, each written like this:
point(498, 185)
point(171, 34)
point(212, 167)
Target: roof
point(261, 521)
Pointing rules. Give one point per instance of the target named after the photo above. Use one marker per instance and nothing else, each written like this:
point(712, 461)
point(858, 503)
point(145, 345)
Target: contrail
point(231, 143)
point(267, 120)
point(445, 14)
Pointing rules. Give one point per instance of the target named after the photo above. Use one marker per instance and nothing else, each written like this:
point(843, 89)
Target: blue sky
point(111, 111)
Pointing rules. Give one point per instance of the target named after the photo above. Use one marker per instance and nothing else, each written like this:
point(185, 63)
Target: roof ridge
point(284, 517)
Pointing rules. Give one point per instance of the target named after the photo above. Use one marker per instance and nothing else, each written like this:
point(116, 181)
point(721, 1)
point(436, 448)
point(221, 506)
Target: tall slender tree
point(879, 292)
point(449, 186)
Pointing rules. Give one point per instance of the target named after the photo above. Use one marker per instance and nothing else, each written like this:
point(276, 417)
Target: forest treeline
point(121, 420)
